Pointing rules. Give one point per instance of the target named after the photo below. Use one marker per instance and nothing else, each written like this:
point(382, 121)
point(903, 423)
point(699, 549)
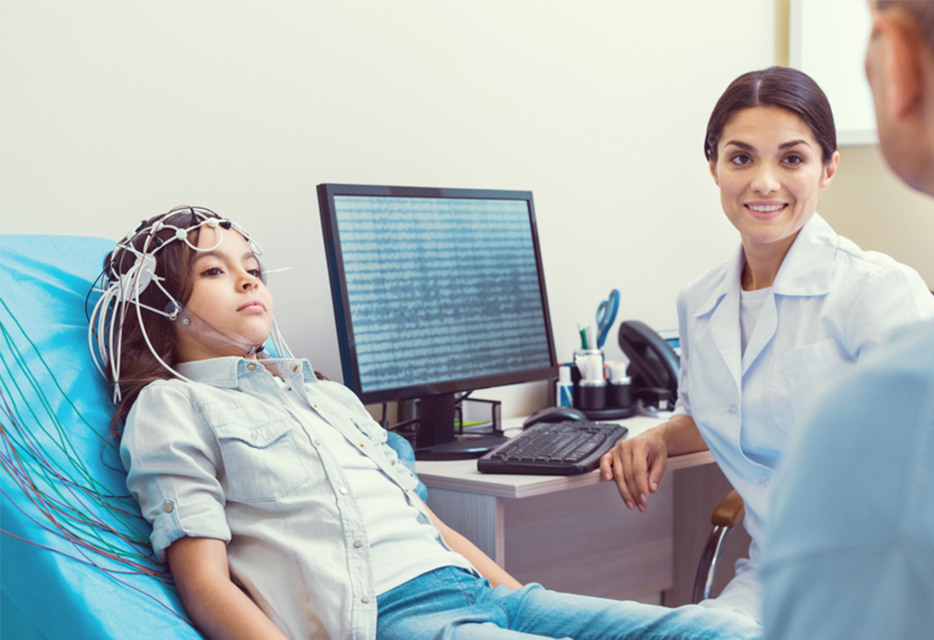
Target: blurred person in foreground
point(851, 539)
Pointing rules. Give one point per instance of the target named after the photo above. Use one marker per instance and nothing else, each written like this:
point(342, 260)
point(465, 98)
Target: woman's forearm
point(681, 435)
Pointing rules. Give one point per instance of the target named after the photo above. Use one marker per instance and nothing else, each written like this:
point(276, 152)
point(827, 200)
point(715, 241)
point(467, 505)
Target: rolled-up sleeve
point(172, 461)
point(683, 403)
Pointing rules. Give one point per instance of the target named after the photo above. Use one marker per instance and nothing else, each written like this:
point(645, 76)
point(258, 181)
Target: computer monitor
point(435, 292)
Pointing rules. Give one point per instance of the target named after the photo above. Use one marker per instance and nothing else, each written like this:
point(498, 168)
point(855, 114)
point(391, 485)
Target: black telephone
point(653, 365)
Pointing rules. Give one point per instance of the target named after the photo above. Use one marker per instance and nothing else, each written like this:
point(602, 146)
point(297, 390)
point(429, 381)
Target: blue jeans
point(452, 604)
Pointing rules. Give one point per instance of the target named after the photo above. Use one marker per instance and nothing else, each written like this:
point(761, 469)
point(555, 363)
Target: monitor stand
point(436, 440)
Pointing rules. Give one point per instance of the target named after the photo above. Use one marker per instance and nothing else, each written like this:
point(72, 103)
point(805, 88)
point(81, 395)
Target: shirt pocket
point(262, 463)
point(797, 377)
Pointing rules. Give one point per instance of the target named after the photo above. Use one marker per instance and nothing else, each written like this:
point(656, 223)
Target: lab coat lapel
point(762, 334)
point(807, 269)
point(724, 318)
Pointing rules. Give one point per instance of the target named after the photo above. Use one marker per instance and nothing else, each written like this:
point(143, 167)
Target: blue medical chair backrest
point(49, 383)
point(55, 413)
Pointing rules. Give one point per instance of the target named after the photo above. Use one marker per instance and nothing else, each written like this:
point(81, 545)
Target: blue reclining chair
point(74, 550)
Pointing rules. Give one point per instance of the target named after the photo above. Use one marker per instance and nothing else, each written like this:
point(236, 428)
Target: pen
point(591, 333)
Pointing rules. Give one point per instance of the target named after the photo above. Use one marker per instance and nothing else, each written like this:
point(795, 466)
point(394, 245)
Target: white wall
point(114, 111)
point(870, 205)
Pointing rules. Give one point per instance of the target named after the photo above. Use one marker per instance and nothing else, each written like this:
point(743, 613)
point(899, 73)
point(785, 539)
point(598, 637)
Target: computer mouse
point(554, 414)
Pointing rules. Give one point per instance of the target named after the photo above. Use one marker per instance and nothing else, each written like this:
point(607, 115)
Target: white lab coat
point(830, 303)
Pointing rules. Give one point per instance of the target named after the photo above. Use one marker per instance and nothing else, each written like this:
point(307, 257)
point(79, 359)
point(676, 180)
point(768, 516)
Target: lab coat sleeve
point(683, 404)
point(890, 299)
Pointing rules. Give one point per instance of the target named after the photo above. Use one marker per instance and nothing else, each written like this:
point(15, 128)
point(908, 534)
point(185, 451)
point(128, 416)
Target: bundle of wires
point(102, 528)
point(38, 453)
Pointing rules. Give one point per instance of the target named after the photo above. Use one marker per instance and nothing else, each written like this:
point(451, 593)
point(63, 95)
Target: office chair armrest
point(727, 515)
point(729, 512)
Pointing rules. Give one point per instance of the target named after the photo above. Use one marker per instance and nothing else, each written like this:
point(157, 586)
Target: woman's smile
point(766, 210)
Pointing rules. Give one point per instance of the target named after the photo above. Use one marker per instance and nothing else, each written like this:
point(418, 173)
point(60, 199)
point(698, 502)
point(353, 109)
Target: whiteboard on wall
point(827, 40)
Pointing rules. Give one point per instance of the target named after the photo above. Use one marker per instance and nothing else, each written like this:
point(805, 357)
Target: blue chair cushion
point(56, 404)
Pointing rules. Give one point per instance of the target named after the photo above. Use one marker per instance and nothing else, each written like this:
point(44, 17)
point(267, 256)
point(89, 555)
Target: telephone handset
point(653, 365)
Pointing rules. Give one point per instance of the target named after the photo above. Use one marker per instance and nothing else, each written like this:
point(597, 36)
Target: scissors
point(606, 316)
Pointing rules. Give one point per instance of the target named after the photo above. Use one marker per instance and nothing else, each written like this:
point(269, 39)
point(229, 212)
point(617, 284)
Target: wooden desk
point(569, 533)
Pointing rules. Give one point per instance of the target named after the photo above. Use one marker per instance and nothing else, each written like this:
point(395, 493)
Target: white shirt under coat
point(830, 303)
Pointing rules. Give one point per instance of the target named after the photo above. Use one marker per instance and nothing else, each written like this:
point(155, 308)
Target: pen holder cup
point(591, 387)
point(592, 394)
point(589, 363)
point(619, 395)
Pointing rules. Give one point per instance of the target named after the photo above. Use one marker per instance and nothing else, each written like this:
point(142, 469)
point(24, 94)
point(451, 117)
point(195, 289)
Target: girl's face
point(229, 295)
point(770, 172)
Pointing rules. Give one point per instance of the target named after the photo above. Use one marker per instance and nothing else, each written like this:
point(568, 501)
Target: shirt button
point(282, 404)
point(365, 599)
point(169, 507)
point(343, 491)
point(764, 481)
point(253, 435)
point(295, 368)
point(733, 409)
point(358, 543)
point(362, 446)
point(251, 366)
point(317, 442)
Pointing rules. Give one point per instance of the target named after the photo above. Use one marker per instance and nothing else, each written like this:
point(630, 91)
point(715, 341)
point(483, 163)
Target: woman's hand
point(637, 465)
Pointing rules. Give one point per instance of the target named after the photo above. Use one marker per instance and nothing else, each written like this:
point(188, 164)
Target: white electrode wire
point(116, 347)
point(95, 320)
point(139, 312)
point(279, 341)
point(114, 334)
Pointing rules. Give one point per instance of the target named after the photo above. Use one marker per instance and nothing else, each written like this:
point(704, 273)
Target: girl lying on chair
point(273, 495)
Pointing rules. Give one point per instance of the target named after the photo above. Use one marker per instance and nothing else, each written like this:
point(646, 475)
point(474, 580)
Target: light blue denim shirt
point(227, 457)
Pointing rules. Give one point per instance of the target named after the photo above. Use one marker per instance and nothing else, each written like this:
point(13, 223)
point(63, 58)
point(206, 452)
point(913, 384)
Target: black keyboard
point(558, 448)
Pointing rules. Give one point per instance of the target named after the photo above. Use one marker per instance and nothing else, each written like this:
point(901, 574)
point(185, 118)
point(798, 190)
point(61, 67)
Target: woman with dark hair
point(794, 307)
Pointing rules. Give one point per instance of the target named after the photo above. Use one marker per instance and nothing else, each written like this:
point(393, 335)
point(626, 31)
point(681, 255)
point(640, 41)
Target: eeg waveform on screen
point(440, 289)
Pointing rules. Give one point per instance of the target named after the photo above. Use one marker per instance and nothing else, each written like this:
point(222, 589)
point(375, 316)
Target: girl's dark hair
point(174, 263)
point(783, 87)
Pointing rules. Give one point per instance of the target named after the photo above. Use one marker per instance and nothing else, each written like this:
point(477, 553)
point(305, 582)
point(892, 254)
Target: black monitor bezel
point(341, 303)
